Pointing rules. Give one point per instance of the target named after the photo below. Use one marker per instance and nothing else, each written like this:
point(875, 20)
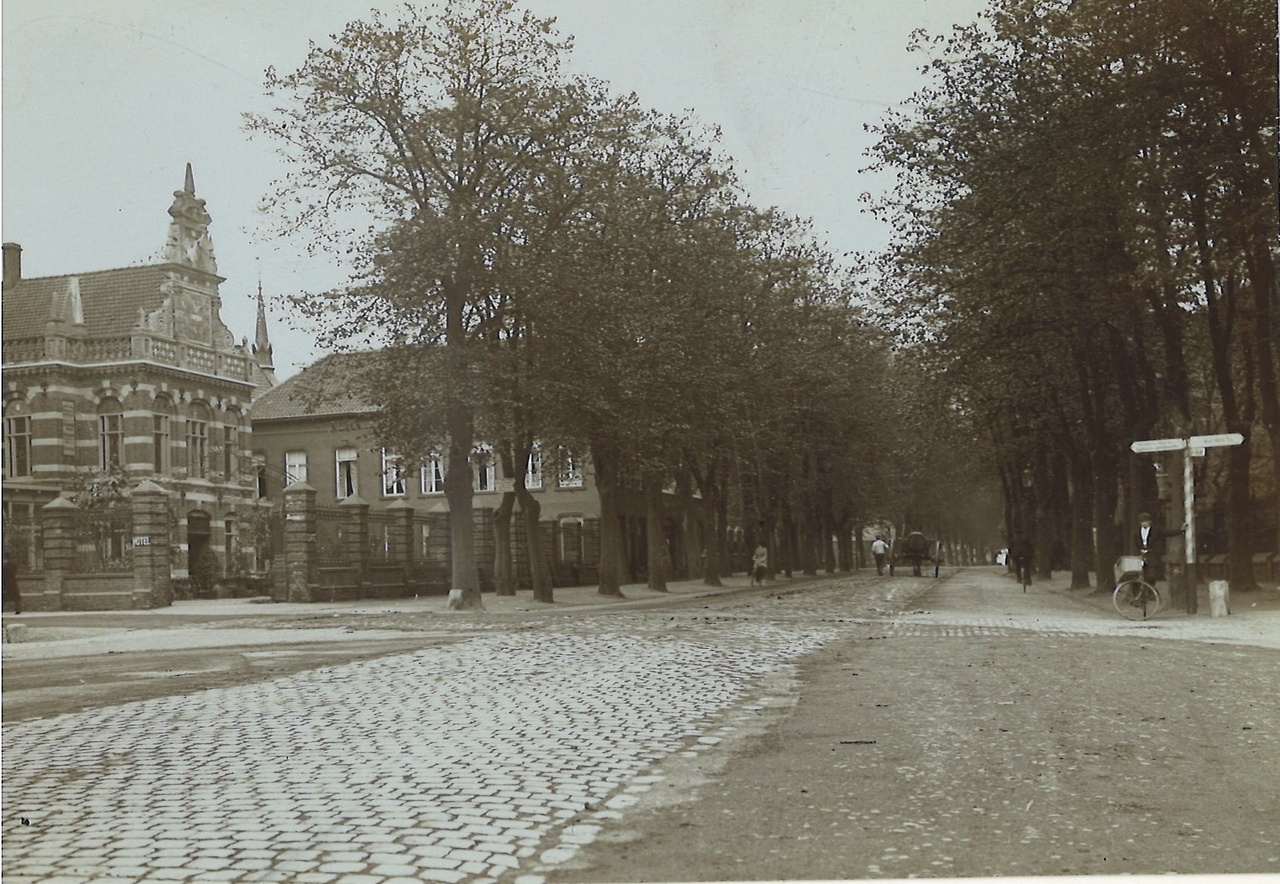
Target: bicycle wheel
point(1136, 600)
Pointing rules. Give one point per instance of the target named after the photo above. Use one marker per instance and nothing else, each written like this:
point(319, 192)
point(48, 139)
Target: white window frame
point(533, 470)
point(484, 470)
point(197, 447)
point(346, 465)
point(230, 453)
point(568, 471)
point(295, 467)
point(111, 439)
point(393, 476)
point(17, 445)
point(433, 475)
point(161, 442)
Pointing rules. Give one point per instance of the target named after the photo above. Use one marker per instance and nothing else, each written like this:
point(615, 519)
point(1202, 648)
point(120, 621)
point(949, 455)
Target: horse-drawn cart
point(915, 549)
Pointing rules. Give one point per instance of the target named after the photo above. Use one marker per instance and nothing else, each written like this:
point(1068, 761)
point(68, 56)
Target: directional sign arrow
point(1158, 445)
point(1215, 441)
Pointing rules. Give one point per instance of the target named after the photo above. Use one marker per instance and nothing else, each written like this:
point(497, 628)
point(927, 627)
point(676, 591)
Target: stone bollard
point(1218, 598)
point(455, 600)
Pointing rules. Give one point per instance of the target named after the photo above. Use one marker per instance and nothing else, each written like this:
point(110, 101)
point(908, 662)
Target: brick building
point(116, 378)
point(312, 428)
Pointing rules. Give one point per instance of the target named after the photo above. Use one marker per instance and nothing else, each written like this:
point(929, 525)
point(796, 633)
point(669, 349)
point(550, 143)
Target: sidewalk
point(983, 592)
point(986, 593)
point(215, 623)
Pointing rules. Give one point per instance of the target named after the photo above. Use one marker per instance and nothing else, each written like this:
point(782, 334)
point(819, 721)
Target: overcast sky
point(105, 101)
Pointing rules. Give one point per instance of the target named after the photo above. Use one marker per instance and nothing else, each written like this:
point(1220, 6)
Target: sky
point(106, 101)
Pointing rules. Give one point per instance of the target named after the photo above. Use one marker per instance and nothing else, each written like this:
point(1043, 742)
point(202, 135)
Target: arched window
point(17, 441)
point(110, 434)
point(198, 440)
point(161, 434)
point(230, 446)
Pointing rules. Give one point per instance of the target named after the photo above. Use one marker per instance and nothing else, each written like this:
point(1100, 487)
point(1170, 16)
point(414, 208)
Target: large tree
point(1085, 196)
point(448, 133)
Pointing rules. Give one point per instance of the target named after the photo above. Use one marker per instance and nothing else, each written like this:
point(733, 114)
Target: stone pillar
point(149, 504)
point(300, 541)
point(355, 539)
point(403, 512)
point(57, 520)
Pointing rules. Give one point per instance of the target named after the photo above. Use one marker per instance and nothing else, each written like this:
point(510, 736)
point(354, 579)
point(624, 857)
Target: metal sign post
point(1192, 447)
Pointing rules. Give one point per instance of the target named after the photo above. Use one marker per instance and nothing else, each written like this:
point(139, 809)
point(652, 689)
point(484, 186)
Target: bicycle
point(1134, 598)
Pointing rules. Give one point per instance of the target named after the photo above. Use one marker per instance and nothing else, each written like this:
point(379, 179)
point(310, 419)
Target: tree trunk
point(503, 576)
point(828, 536)
point(605, 465)
point(655, 537)
point(539, 568)
point(465, 575)
point(1082, 552)
point(844, 545)
point(716, 532)
point(457, 490)
point(722, 565)
point(1239, 520)
point(693, 552)
point(1109, 546)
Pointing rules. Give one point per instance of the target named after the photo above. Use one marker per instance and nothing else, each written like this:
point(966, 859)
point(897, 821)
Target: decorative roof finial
point(189, 242)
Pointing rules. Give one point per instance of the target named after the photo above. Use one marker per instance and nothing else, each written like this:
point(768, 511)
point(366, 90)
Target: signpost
point(1192, 447)
point(1159, 445)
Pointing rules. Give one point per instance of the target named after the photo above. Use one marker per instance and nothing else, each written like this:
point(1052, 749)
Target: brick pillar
point(300, 541)
point(403, 512)
point(58, 547)
point(355, 541)
point(149, 504)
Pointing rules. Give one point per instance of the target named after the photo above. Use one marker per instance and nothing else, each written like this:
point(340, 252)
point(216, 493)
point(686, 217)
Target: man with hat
point(1147, 537)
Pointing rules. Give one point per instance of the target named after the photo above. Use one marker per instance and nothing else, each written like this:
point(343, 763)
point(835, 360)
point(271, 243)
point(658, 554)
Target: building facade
point(313, 429)
point(113, 378)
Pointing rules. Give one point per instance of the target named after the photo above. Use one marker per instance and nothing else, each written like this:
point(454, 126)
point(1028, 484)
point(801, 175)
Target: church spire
point(262, 350)
point(261, 341)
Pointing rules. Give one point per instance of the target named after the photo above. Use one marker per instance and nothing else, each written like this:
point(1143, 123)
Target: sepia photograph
point(617, 441)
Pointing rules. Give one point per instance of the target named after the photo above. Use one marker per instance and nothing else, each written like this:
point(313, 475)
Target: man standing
point(1146, 540)
point(879, 549)
point(1022, 550)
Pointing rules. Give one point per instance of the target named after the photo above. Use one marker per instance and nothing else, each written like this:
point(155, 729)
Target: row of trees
point(1086, 249)
point(552, 263)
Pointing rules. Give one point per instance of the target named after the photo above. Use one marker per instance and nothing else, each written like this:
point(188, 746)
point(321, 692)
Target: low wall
point(103, 592)
point(86, 592)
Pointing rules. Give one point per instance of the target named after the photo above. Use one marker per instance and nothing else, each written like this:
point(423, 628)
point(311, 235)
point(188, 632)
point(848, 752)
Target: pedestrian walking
point(1022, 550)
point(880, 550)
point(9, 584)
point(759, 565)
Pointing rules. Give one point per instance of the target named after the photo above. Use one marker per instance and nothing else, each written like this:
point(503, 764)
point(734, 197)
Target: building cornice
point(13, 368)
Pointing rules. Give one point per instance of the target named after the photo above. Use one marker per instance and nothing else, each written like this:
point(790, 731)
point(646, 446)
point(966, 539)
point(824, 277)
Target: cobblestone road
point(493, 759)
point(471, 762)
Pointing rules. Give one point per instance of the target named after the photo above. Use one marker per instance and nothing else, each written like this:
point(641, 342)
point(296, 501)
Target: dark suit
point(1154, 547)
point(1022, 550)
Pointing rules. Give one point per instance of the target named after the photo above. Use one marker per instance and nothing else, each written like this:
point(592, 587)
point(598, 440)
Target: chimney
point(12, 264)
